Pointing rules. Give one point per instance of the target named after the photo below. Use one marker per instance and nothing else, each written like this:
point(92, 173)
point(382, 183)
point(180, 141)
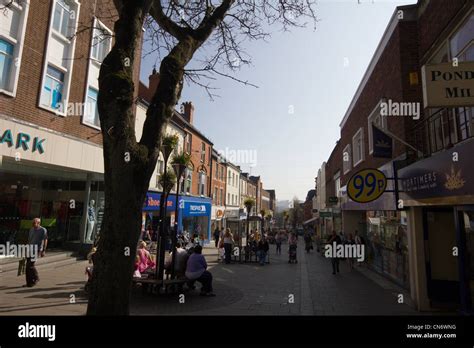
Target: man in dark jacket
point(262, 249)
point(217, 235)
point(334, 260)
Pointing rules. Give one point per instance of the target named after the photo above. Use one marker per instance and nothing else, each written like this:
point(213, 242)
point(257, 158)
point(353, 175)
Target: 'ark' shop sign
point(446, 174)
point(448, 84)
point(21, 141)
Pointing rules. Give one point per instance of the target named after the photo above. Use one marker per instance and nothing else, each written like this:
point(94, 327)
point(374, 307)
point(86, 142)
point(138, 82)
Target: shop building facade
point(51, 163)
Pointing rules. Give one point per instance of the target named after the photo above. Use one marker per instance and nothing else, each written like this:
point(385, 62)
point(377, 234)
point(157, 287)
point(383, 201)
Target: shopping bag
point(21, 267)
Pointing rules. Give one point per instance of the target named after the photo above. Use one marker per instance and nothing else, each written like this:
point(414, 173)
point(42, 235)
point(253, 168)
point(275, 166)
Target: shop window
point(52, 91)
point(91, 112)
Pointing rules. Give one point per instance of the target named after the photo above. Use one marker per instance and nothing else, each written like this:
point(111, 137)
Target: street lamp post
point(179, 169)
point(169, 143)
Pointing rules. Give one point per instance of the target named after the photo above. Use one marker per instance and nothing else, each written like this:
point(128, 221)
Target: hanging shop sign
point(366, 185)
point(22, 141)
point(448, 84)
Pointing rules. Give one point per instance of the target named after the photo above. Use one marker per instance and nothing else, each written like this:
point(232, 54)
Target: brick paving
point(242, 289)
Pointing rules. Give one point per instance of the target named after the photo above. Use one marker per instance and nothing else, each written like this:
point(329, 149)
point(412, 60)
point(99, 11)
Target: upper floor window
point(202, 184)
point(337, 183)
point(461, 44)
point(63, 13)
point(346, 159)
point(101, 42)
point(186, 184)
point(378, 120)
point(203, 152)
point(6, 60)
point(12, 32)
point(188, 142)
point(358, 147)
point(52, 92)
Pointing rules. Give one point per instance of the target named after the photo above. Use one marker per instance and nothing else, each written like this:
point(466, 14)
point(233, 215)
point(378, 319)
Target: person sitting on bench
point(179, 263)
point(196, 269)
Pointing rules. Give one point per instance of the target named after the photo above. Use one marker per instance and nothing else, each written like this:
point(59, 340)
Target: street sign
point(333, 199)
point(366, 185)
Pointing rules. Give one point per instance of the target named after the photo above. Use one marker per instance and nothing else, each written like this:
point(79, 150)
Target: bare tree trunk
point(129, 165)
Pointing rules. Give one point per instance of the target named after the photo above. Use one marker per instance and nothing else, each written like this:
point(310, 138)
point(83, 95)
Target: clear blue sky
point(304, 70)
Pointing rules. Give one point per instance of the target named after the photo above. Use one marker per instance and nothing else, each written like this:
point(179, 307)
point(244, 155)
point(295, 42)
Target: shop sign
point(446, 174)
point(448, 84)
point(22, 140)
point(197, 209)
point(152, 202)
point(366, 185)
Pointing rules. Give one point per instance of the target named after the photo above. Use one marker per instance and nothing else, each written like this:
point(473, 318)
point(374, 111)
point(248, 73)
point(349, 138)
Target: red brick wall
point(24, 105)
point(196, 146)
point(217, 182)
point(434, 19)
point(389, 79)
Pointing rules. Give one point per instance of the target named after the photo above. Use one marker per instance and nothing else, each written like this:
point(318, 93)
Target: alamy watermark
point(392, 108)
point(19, 250)
point(346, 251)
point(240, 156)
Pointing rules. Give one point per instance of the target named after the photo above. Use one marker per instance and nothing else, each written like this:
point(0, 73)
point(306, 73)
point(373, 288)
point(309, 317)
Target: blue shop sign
point(197, 209)
point(152, 202)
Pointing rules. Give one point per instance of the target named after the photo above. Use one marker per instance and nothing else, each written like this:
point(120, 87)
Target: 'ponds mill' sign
point(448, 84)
point(22, 140)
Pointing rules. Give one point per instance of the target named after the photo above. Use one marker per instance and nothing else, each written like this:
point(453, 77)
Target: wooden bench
point(168, 285)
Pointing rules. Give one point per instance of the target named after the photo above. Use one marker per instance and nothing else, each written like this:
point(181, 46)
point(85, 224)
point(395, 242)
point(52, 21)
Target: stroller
point(292, 254)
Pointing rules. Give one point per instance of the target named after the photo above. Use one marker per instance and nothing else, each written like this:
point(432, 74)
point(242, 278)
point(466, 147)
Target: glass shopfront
point(388, 245)
point(57, 197)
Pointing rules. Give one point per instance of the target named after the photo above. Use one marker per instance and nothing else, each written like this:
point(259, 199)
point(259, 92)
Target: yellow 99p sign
point(366, 185)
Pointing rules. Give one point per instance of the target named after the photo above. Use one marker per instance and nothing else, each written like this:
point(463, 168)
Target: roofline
point(375, 58)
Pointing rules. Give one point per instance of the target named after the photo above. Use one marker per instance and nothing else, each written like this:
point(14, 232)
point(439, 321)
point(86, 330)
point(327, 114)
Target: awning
point(310, 220)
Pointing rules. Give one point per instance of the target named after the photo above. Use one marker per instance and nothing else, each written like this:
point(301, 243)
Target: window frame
point(344, 170)
point(360, 132)
point(18, 44)
point(57, 32)
point(97, 64)
point(370, 120)
point(68, 71)
point(46, 76)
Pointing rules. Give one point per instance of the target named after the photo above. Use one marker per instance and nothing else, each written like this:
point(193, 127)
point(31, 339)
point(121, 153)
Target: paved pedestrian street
point(277, 288)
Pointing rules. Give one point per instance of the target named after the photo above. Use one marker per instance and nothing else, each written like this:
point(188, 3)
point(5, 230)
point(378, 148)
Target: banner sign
point(382, 143)
point(446, 174)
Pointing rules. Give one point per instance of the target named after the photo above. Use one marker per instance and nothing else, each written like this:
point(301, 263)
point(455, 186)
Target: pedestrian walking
point(278, 240)
point(38, 242)
point(360, 241)
point(217, 235)
point(292, 248)
point(308, 241)
point(334, 260)
point(228, 242)
point(262, 250)
point(350, 260)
